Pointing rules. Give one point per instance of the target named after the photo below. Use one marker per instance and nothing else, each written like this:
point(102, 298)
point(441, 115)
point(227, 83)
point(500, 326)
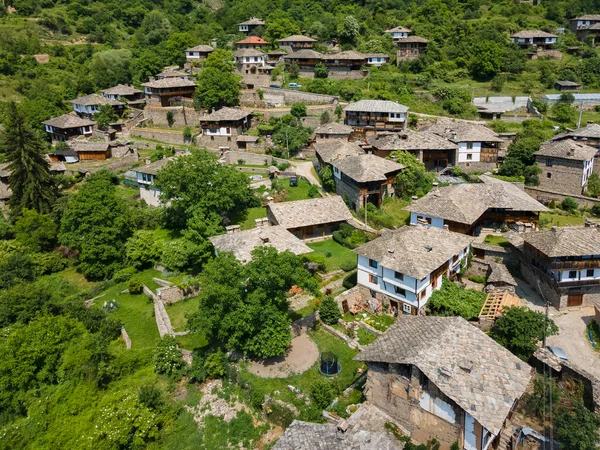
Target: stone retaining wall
point(546, 196)
point(302, 326)
point(163, 322)
point(174, 137)
point(126, 338)
point(351, 342)
point(232, 157)
point(184, 116)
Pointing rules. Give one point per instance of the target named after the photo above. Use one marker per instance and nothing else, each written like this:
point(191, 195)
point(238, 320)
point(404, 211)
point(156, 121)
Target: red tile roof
point(252, 40)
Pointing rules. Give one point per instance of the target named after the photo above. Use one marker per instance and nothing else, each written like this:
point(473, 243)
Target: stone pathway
point(304, 169)
point(301, 356)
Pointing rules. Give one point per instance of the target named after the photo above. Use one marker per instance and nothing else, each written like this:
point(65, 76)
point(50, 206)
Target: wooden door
point(574, 300)
point(345, 307)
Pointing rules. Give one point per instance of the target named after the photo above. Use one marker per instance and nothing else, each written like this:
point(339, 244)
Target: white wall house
point(469, 152)
point(420, 218)
point(377, 60)
point(146, 175)
point(405, 266)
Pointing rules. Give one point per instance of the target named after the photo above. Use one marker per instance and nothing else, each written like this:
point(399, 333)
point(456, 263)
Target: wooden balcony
point(578, 283)
point(576, 265)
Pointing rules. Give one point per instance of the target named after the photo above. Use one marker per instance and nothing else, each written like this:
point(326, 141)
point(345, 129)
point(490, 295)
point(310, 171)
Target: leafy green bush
point(322, 393)
point(167, 357)
point(478, 279)
point(49, 262)
point(329, 311)
point(123, 275)
point(348, 266)
point(313, 191)
point(350, 280)
point(455, 300)
point(350, 237)
point(135, 286)
point(569, 205)
point(215, 364)
point(280, 415)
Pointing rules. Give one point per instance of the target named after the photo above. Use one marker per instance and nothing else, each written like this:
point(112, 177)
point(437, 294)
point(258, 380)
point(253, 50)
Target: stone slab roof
point(253, 21)
point(588, 17)
point(121, 89)
point(246, 138)
point(415, 250)
point(527, 34)
point(345, 55)
point(565, 241)
point(94, 99)
point(84, 146)
point(153, 168)
point(566, 149)
point(465, 203)
point(314, 211)
point(330, 149)
point(165, 83)
point(201, 48)
point(461, 131)
point(242, 243)
point(227, 114)
point(410, 140)
point(414, 40)
point(500, 274)
point(5, 191)
point(376, 106)
point(247, 52)
point(70, 120)
point(334, 128)
point(297, 38)
point(399, 29)
point(377, 55)
point(304, 54)
point(4, 172)
point(567, 83)
point(366, 168)
point(468, 366)
point(315, 436)
point(255, 40)
point(591, 130)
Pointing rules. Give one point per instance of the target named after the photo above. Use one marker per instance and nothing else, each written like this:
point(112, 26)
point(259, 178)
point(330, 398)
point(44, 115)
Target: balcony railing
point(577, 265)
point(578, 283)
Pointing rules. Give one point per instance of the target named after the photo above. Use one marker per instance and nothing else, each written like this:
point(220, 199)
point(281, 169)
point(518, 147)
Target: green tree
point(279, 25)
point(563, 112)
point(569, 205)
point(455, 300)
point(111, 67)
point(144, 248)
point(23, 149)
point(294, 70)
point(321, 71)
point(326, 176)
point(105, 116)
point(348, 30)
point(526, 143)
point(338, 112)
point(35, 231)
point(97, 223)
point(167, 357)
point(325, 118)
point(329, 311)
point(593, 185)
point(413, 179)
point(292, 138)
point(577, 428)
point(298, 110)
point(170, 118)
point(217, 85)
point(520, 330)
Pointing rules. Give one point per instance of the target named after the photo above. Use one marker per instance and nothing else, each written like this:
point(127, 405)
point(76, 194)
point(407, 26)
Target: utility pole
point(580, 114)
point(287, 145)
point(366, 203)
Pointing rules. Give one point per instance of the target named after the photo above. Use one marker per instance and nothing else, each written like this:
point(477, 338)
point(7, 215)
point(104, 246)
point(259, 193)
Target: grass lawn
point(365, 337)
point(76, 279)
point(191, 341)
point(247, 221)
point(554, 219)
point(499, 241)
point(393, 206)
point(299, 192)
point(338, 254)
point(177, 312)
point(127, 192)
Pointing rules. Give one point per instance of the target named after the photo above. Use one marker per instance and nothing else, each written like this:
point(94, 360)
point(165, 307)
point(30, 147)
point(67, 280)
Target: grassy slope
point(339, 253)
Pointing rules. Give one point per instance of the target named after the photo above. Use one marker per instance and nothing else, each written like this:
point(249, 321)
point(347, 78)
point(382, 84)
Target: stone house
point(329, 150)
point(253, 42)
point(409, 45)
point(369, 116)
point(363, 179)
point(586, 25)
point(145, 178)
point(565, 261)
point(242, 243)
point(87, 151)
point(315, 218)
point(531, 38)
point(402, 268)
point(442, 378)
point(125, 93)
point(333, 130)
point(198, 53)
point(399, 32)
point(85, 107)
point(345, 61)
point(247, 27)
point(222, 127)
point(588, 135)
point(567, 86)
point(478, 146)
point(297, 42)
point(274, 57)
point(434, 151)
point(377, 59)
point(163, 91)
point(565, 166)
point(305, 59)
point(173, 72)
point(248, 60)
point(68, 126)
point(466, 208)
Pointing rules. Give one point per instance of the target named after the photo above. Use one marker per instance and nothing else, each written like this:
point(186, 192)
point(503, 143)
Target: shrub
point(596, 210)
point(167, 358)
point(150, 397)
point(135, 286)
point(329, 311)
point(280, 415)
point(123, 274)
point(322, 393)
point(215, 364)
point(478, 279)
point(313, 191)
point(46, 263)
point(569, 205)
point(350, 280)
point(455, 300)
point(348, 266)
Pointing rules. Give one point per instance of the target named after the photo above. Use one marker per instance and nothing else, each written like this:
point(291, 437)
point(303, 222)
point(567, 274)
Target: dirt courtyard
point(301, 356)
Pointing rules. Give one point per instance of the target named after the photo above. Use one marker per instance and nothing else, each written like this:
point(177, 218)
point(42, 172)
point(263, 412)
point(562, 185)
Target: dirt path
point(301, 356)
point(304, 169)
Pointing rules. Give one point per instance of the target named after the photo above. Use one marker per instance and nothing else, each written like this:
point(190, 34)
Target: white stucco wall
point(464, 151)
point(435, 221)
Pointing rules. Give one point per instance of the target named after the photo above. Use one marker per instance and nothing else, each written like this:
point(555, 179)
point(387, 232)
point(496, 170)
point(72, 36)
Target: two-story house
point(222, 127)
point(565, 261)
point(254, 42)
point(125, 93)
point(403, 267)
point(565, 166)
point(588, 24)
point(305, 59)
point(333, 130)
point(345, 61)
point(364, 179)
point(164, 90)
point(249, 26)
point(466, 208)
point(68, 126)
point(297, 42)
point(477, 144)
point(588, 135)
point(409, 45)
point(435, 152)
point(530, 38)
point(369, 116)
point(145, 178)
point(399, 32)
point(198, 53)
point(328, 150)
point(87, 106)
point(248, 60)
point(377, 59)
point(445, 379)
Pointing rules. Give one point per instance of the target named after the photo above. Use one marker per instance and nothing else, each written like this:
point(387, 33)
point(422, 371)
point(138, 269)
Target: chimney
point(147, 161)
point(213, 43)
point(339, 156)
point(232, 229)
point(390, 251)
point(151, 78)
point(264, 238)
point(446, 227)
point(258, 223)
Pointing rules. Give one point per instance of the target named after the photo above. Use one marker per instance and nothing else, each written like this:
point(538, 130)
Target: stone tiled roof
point(297, 38)
point(346, 55)
point(165, 83)
point(303, 54)
point(566, 149)
point(588, 17)
point(376, 106)
point(4, 172)
point(247, 52)
point(330, 149)
point(252, 40)
point(377, 55)
point(70, 120)
point(316, 436)
point(172, 73)
point(253, 21)
point(94, 99)
point(121, 89)
point(415, 250)
point(276, 53)
point(565, 241)
point(468, 366)
point(246, 138)
point(527, 34)
point(399, 29)
point(461, 131)
point(566, 83)
point(500, 274)
point(153, 168)
point(314, 211)
point(410, 140)
point(242, 243)
point(465, 203)
point(83, 146)
point(366, 168)
point(334, 128)
point(591, 130)
point(226, 113)
point(414, 40)
point(5, 191)
point(201, 48)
